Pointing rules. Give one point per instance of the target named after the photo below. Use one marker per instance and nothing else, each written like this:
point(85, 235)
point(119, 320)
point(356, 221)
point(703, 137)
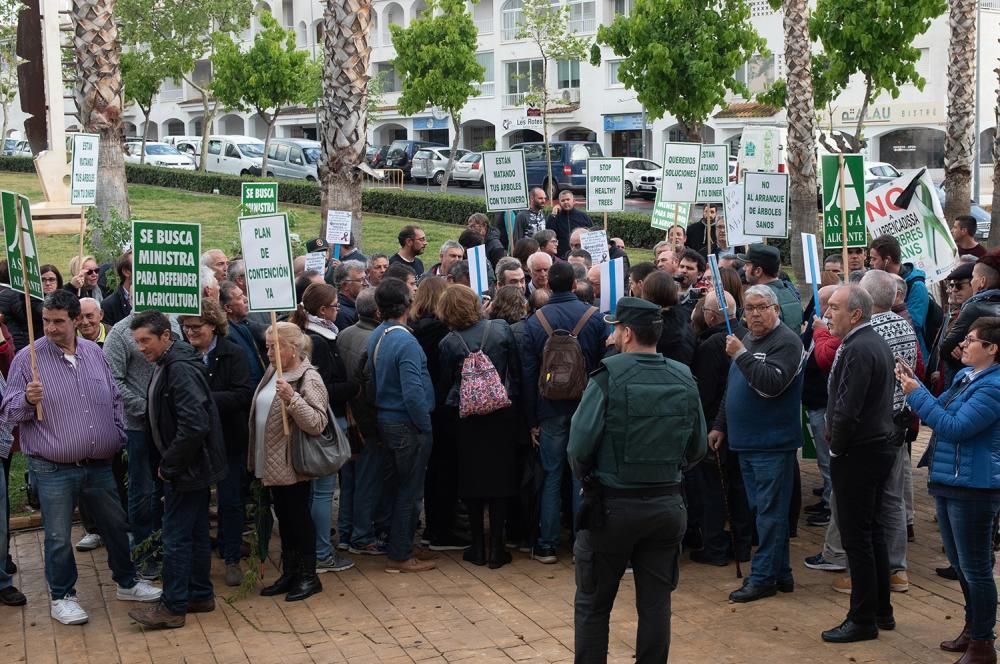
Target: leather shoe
point(704, 559)
point(849, 632)
point(11, 596)
point(787, 586)
point(751, 592)
point(979, 652)
point(885, 623)
point(305, 586)
point(201, 605)
point(947, 573)
point(959, 644)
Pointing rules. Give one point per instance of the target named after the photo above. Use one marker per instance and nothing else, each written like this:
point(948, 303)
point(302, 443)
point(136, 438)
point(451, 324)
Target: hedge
point(632, 227)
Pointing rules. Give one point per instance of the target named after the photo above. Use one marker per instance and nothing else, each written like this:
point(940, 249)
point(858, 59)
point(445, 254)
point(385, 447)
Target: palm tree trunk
point(803, 216)
point(960, 132)
point(343, 125)
point(995, 213)
point(98, 97)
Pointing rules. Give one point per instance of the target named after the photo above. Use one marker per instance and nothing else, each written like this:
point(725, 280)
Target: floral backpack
point(481, 391)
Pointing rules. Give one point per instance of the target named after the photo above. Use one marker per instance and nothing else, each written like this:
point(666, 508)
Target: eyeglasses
point(958, 285)
point(190, 327)
point(92, 271)
point(971, 339)
point(334, 305)
point(50, 280)
point(757, 308)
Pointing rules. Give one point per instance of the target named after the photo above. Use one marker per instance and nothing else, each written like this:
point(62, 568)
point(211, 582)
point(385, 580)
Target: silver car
point(469, 170)
point(429, 163)
point(293, 158)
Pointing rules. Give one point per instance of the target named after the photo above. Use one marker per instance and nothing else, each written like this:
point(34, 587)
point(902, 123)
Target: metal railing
point(583, 25)
point(514, 100)
point(390, 178)
point(486, 89)
point(484, 25)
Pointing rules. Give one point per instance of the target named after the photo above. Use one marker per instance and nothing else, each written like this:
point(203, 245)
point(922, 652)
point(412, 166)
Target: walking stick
point(729, 514)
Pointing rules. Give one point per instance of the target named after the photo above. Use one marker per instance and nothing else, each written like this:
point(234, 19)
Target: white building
point(907, 132)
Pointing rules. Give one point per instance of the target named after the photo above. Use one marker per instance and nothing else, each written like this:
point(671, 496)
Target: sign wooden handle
point(29, 316)
point(843, 214)
point(277, 366)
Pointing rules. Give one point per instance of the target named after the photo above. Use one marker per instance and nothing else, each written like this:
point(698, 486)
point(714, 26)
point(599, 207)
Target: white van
point(292, 158)
point(763, 148)
point(234, 155)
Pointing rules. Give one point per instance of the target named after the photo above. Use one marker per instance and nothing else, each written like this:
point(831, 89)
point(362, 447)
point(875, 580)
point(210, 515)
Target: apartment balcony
point(487, 89)
point(514, 100)
point(586, 25)
point(485, 25)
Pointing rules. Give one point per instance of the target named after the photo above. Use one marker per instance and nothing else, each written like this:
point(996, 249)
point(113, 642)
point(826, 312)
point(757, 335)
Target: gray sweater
point(130, 370)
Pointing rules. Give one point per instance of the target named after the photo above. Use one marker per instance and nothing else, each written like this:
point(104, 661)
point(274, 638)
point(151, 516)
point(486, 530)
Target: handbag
point(321, 454)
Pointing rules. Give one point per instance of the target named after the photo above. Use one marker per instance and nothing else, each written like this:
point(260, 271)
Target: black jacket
point(710, 366)
point(347, 314)
point(494, 247)
point(986, 303)
point(232, 389)
point(115, 307)
point(12, 308)
point(696, 237)
point(564, 223)
point(429, 332)
point(501, 347)
point(862, 382)
point(677, 338)
point(326, 358)
point(191, 448)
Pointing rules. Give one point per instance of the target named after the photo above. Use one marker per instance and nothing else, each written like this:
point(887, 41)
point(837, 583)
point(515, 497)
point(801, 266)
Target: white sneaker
point(142, 591)
point(68, 611)
point(89, 542)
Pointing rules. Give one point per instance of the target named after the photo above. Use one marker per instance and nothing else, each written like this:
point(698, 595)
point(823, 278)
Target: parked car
point(292, 158)
point(733, 168)
point(188, 145)
point(377, 158)
point(878, 173)
point(8, 146)
point(21, 149)
point(430, 163)
point(469, 170)
point(634, 170)
point(569, 164)
point(158, 154)
point(235, 155)
point(400, 154)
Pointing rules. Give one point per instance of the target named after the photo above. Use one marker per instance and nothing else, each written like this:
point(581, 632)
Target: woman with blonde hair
point(301, 392)
point(85, 275)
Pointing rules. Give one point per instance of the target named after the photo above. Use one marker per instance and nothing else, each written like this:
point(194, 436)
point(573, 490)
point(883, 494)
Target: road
point(634, 204)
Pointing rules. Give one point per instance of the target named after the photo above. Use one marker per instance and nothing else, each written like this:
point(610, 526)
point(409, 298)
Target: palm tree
point(960, 135)
point(995, 214)
point(343, 124)
point(98, 96)
point(801, 133)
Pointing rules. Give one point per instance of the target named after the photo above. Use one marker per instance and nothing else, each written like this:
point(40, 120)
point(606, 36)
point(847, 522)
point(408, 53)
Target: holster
point(591, 514)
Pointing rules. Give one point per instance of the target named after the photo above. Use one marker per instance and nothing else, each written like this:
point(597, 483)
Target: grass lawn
point(218, 214)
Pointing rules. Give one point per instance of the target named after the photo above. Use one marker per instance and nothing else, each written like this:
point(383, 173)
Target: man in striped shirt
point(70, 417)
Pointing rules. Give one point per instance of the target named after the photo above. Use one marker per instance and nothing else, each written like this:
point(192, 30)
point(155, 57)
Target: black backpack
point(934, 322)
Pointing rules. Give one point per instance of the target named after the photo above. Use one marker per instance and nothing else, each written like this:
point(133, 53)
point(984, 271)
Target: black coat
point(12, 308)
point(193, 453)
point(429, 332)
point(987, 304)
point(347, 314)
point(710, 367)
point(232, 389)
point(564, 223)
point(501, 347)
point(862, 384)
point(115, 307)
point(677, 338)
point(326, 358)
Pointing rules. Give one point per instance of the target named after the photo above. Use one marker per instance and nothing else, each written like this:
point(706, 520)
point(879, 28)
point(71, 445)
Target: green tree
point(681, 57)
point(546, 25)
point(178, 33)
point(436, 63)
point(271, 74)
point(141, 79)
point(875, 40)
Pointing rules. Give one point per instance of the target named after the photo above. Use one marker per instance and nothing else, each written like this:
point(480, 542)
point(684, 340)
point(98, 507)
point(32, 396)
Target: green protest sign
point(669, 214)
point(260, 198)
point(854, 197)
point(165, 268)
point(26, 269)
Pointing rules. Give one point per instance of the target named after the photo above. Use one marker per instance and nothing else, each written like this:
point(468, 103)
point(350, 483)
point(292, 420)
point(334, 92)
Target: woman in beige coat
point(304, 396)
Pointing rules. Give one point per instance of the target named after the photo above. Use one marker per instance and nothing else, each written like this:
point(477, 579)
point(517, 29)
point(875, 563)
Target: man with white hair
point(451, 253)
point(760, 419)
point(209, 284)
point(538, 266)
point(216, 261)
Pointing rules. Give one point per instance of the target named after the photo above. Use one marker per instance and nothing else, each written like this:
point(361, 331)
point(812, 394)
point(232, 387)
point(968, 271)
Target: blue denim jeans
point(553, 439)
point(408, 451)
point(817, 422)
point(61, 487)
point(365, 509)
point(321, 508)
point(144, 507)
point(768, 478)
point(967, 534)
point(5, 579)
point(231, 511)
point(187, 551)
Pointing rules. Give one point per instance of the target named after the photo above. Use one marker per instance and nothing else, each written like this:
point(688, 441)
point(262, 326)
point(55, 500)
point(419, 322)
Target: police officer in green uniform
point(638, 426)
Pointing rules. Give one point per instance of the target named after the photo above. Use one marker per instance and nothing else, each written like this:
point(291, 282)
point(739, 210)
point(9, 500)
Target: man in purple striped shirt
point(69, 451)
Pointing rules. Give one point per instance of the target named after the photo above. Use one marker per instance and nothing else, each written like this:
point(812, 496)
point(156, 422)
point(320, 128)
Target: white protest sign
point(733, 209)
point(681, 169)
point(504, 180)
point(267, 252)
point(338, 226)
point(713, 173)
point(810, 258)
point(720, 295)
point(606, 185)
point(612, 283)
point(478, 276)
point(765, 204)
point(316, 260)
point(83, 177)
point(596, 244)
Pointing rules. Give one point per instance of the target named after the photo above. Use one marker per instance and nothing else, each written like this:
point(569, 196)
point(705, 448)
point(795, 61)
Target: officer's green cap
point(633, 311)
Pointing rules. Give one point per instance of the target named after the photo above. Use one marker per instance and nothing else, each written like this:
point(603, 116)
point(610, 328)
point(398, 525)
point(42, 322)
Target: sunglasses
point(92, 271)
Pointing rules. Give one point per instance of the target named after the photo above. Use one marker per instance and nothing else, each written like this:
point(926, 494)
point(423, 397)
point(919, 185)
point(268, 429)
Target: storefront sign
point(626, 122)
point(900, 113)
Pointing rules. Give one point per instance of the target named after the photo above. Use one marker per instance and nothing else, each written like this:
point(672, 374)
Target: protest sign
point(612, 283)
point(681, 169)
point(713, 173)
point(504, 180)
point(606, 185)
point(919, 226)
point(26, 270)
point(260, 198)
point(165, 267)
point(478, 277)
point(316, 260)
point(267, 251)
point(765, 204)
point(720, 295)
point(596, 244)
point(733, 211)
point(667, 214)
point(338, 227)
point(83, 175)
point(853, 181)
point(810, 261)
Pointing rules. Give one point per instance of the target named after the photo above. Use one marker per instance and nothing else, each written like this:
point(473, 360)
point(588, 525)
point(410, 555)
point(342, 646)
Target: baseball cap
point(634, 311)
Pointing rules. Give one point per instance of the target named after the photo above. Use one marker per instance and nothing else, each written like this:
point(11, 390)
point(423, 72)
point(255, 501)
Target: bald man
point(594, 277)
point(88, 323)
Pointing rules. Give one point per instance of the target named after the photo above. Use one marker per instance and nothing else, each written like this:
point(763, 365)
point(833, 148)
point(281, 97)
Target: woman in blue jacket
point(965, 478)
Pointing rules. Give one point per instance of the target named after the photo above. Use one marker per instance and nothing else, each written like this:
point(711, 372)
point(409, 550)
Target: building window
point(170, 90)
point(758, 74)
point(486, 88)
point(511, 12)
point(390, 81)
point(614, 67)
point(582, 15)
point(569, 74)
point(621, 7)
point(522, 77)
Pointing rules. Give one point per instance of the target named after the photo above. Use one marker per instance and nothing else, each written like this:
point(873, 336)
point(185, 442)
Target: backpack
point(481, 391)
point(562, 375)
point(934, 322)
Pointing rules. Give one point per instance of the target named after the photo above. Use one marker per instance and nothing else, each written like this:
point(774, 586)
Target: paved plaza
point(460, 612)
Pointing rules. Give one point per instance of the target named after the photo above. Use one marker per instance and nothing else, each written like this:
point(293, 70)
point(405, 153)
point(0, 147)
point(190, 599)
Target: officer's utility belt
point(645, 492)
